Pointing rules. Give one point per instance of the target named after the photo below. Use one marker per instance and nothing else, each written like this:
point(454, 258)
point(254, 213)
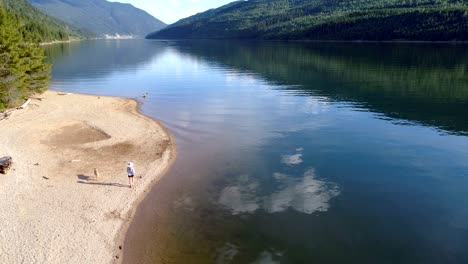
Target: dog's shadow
point(85, 179)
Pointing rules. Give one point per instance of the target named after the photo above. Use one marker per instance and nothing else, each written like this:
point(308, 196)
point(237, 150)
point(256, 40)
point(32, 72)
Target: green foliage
point(327, 20)
point(41, 27)
point(22, 68)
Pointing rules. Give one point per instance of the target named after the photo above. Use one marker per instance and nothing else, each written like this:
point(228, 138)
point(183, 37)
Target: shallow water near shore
point(293, 152)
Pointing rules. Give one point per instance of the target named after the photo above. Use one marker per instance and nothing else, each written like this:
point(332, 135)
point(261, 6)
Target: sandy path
point(52, 209)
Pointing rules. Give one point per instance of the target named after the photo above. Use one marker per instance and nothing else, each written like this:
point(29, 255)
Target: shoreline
point(85, 39)
point(119, 240)
point(59, 42)
point(457, 42)
point(41, 194)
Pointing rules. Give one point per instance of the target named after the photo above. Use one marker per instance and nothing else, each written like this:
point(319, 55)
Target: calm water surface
point(294, 153)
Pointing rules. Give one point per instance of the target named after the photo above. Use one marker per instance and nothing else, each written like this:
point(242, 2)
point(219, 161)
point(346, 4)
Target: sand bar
point(52, 207)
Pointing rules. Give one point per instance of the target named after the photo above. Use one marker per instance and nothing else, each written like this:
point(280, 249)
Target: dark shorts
point(130, 176)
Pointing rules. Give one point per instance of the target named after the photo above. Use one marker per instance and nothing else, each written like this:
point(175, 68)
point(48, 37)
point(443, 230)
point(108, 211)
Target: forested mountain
point(327, 20)
point(101, 17)
point(42, 27)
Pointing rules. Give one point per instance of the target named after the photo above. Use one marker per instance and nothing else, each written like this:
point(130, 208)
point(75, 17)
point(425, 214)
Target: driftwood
point(5, 164)
point(38, 98)
point(24, 105)
point(4, 115)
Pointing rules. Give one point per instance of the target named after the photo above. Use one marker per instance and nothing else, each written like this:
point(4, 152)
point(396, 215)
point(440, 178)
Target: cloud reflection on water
point(239, 200)
point(227, 253)
point(305, 194)
point(294, 159)
point(267, 257)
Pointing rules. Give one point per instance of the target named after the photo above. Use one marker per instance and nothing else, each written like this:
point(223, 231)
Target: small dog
point(96, 173)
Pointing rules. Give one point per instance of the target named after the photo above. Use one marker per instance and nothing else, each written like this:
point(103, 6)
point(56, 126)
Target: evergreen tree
point(22, 68)
point(39, 25)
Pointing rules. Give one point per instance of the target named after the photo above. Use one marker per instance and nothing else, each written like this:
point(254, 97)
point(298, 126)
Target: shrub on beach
point(23, 70)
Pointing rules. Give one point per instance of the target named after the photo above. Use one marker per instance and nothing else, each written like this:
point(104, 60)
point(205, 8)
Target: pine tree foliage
point(22, 68)
point(42, 27)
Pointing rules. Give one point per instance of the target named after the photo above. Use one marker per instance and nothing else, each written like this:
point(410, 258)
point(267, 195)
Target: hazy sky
point(169, 11)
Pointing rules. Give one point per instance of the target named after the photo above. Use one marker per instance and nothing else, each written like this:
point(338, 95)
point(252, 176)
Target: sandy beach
point(52, 207)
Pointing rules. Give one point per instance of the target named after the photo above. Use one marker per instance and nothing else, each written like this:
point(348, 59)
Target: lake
point(293, 152)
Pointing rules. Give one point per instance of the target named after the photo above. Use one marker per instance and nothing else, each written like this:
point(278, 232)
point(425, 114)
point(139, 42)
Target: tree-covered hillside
point(101, 17)
point(22, 68)
point(41, 27)
point(327, 20)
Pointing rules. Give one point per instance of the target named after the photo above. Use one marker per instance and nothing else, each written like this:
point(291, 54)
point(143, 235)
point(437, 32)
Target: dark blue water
point(294, 153)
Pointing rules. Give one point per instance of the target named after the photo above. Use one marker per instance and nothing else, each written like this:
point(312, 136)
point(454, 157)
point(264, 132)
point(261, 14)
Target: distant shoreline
point(383, 41)
point(318, 41)
point(55, 210)
point(59, 42)
point(78, 39)
point(269, 40)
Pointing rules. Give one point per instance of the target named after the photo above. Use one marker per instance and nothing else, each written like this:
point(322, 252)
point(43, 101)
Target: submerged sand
point(52, 207)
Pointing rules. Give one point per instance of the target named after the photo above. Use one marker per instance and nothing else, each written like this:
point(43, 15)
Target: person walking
point(130, 173)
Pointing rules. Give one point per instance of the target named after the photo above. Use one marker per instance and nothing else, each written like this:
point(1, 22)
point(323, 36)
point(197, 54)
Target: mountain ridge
point(103, 18)
point(326, 20)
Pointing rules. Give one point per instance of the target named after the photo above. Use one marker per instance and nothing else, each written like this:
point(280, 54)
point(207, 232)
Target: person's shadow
point(84, 179)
